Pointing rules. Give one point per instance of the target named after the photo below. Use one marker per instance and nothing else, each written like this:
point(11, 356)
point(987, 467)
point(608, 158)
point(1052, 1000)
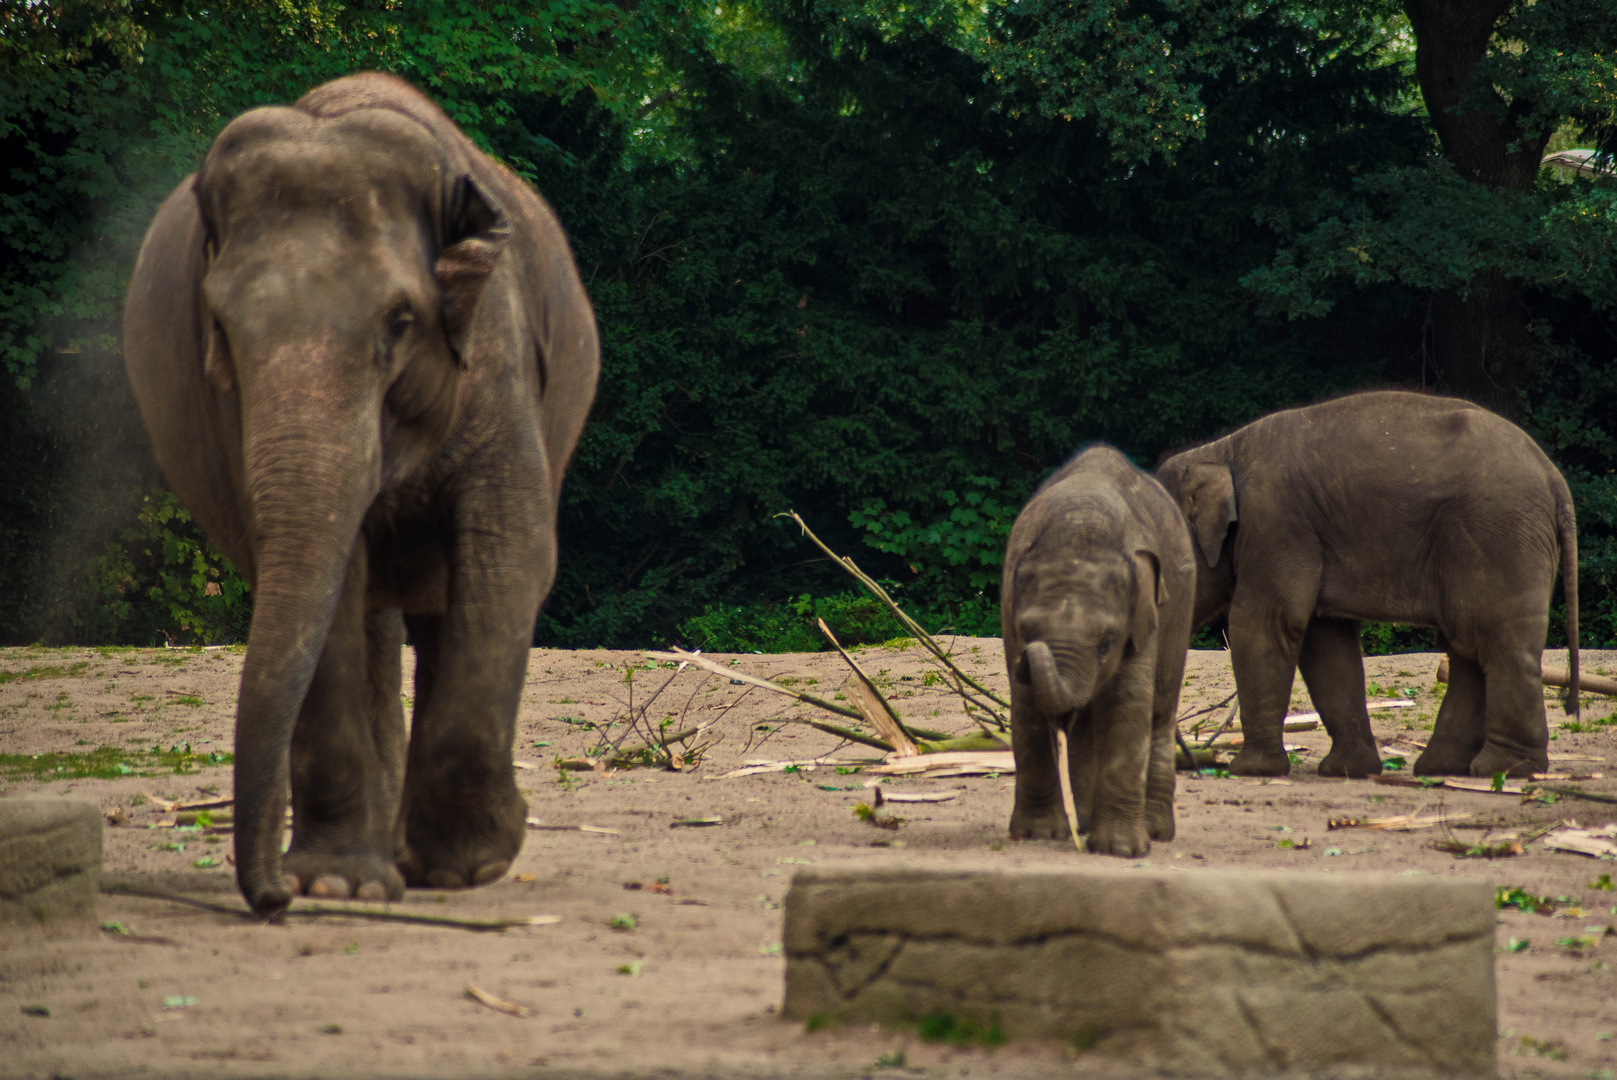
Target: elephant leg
point(346, 756)
point(1160, 779)
point(1036, 813)
point(1457, 733)
point(1516, 735)
point(1332, 666)
point(1123, 735)
point(1265, 640)
point(464, 818)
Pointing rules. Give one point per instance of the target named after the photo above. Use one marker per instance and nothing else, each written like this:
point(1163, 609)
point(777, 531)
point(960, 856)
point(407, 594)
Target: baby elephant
point(1095, 609)
point(1396, 507)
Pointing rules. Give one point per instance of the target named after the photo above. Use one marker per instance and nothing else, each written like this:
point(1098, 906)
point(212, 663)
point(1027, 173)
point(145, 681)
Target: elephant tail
point(1566, 524)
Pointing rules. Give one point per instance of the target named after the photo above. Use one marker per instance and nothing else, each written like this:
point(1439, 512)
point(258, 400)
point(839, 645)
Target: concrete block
point(1199, 973)
point(50, 859)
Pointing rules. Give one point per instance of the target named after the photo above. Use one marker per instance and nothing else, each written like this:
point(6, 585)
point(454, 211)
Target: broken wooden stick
point(1064, 772)
point(1229, 718)
point(879, 712)
point(983, 699)
point(1587, 683)
point(483, 997)
point(676, 653)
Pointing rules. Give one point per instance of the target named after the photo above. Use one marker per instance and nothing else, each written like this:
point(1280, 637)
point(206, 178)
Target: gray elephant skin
point(1095, 610)
point(1389, 506)
point(364, 356)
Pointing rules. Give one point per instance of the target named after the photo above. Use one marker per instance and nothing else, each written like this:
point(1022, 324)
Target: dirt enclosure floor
point(665, 960)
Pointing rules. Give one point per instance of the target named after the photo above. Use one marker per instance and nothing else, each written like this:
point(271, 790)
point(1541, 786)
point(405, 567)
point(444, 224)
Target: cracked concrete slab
point(50, 859)
point(1201, 972)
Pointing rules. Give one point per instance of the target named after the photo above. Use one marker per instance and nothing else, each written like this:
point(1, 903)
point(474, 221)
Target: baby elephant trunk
point(1051, 693)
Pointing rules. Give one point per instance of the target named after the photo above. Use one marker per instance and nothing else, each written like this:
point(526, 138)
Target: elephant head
point(1077, 616)
point(344, 258)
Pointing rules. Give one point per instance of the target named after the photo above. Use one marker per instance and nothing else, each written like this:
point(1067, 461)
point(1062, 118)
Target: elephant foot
point(1048, 824)
point(476, 848)
point(1440, 760)
point(1256, 763)
point(341, 877)
point(1126, 840)
point(1355, 763)
point(1159, 821)
point(1510, 761)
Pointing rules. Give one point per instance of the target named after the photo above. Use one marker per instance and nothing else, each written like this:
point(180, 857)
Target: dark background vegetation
point(885, 264)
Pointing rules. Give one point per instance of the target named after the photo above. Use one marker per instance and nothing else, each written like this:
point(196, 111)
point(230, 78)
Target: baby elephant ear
point(1209, 503)
point(476, 232)
point(1149, 594)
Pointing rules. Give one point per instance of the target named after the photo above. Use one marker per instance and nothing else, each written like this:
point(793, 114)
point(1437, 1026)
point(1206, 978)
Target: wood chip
point(523, 765)
point(510, 1008)
point(695, 823)
point(920, 796)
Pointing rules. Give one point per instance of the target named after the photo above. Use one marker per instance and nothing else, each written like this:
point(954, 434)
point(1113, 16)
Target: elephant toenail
point(445, 879)
point(371, 890)
point(330, 886)
point(292, 884)
point(490, 871)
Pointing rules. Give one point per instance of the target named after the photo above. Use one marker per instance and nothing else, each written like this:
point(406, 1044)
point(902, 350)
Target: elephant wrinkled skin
point(1393, 507)
point(1095, 609)
point(364, 356)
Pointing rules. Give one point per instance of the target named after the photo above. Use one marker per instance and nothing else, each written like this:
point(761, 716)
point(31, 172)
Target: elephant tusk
point(1064, 771)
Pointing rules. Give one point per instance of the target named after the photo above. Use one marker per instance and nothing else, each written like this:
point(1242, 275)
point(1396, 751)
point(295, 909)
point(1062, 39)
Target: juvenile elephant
point(1389, 506)
point(363, 354)
point(1095, 611)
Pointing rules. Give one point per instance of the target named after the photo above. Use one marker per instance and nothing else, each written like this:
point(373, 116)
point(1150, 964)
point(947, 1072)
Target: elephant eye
point(1105, 645)
point(399, 321)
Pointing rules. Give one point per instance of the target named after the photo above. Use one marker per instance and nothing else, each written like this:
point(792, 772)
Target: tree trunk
point(1479, 344)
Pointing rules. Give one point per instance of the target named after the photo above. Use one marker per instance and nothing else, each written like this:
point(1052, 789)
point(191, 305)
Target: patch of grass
point(44, 671)
point(961, 1031)
point(108, 763)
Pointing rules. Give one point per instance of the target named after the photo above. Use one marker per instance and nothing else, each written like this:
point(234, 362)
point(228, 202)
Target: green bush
point(164, 582)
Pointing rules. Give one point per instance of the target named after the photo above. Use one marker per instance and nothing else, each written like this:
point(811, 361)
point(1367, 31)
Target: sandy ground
point(694, 986)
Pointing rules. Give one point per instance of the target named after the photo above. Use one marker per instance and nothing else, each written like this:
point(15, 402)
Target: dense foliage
point(886, 265)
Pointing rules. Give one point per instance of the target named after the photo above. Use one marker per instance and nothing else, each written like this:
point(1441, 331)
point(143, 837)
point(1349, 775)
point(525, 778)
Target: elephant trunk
point(311, 474)
point(1052, 693)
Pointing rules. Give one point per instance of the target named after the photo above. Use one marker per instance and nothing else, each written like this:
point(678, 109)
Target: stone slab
point(1194, 973)
point(50, 859)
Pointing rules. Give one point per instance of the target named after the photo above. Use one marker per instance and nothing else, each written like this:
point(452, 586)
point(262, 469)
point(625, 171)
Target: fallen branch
point(374, 914)
point(676, 653)
point(1577, 793)
point(962, 680)
point(879, 712)
point(849, 734)
point(1590, 684)
point(1229, 718)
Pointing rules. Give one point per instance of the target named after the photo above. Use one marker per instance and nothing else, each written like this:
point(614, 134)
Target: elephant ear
point(1210, 506)
point(1150, 593)
point(476, 232)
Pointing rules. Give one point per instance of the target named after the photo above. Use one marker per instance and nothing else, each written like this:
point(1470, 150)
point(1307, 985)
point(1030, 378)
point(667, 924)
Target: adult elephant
point(364, 356)
point(1395, 507)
